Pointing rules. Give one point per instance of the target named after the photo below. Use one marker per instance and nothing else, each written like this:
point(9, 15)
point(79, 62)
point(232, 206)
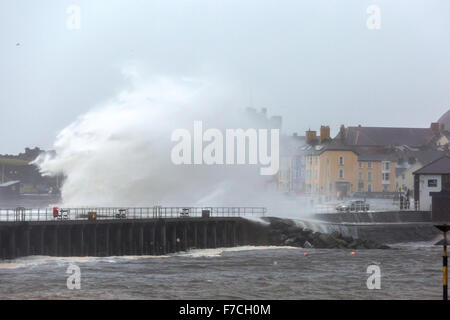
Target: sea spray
point(118, 154)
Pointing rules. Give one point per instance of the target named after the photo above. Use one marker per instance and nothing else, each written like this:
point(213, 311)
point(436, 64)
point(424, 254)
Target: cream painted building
point(340, 171)
point(405, 179)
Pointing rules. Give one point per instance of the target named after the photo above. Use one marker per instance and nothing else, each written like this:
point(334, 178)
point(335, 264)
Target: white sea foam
point(217, 252)
point(118, 154)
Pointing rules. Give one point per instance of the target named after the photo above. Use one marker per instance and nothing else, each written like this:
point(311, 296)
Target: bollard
point(444, 229)
point(440, 215)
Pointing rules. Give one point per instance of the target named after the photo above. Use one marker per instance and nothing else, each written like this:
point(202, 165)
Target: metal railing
point(108, 213)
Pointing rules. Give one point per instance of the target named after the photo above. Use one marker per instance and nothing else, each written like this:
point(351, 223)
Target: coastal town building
point(291, 175)
point(339, 170)
point(433, 177)
point(376, 137)
point(409, 162)
point(370, 160)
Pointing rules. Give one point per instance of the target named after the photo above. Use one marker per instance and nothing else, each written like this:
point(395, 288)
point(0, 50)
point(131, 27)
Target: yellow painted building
point(341, 172)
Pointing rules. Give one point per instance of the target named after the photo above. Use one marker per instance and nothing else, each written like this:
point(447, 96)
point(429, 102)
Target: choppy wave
point(219, 251)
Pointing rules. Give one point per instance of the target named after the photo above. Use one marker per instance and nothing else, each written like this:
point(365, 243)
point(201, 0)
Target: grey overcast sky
point(313, 61)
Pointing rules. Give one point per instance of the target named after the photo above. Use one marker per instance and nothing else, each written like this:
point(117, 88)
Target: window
point(341, 174)
point(341, 160)
point(316, 159)
point(385, 188)
point(360, 164)
point(385, 165)
point(310, 159)
point(432, 183)
point(369, 176)
point(331, 187)
point(360, 176)
point(369, 165)
point(385, 176)
point(369, 188)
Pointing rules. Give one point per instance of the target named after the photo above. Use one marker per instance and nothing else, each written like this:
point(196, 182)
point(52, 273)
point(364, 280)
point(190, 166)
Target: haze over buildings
point(300, 59)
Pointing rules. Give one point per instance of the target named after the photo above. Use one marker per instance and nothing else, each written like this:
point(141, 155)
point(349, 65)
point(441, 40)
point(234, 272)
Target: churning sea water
point(408, 271)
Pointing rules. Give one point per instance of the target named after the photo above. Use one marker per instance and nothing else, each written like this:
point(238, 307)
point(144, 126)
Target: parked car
point(353, 205)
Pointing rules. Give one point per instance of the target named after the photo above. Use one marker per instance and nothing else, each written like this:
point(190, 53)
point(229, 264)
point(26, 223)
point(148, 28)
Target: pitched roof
point(368, 156)
point(386, 136)
point(424, 156)
point(438, 166)
point(333, 145)
point(291, 145)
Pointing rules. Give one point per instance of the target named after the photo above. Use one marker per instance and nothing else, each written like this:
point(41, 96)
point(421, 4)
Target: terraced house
point(366, 159)
point(337, 169)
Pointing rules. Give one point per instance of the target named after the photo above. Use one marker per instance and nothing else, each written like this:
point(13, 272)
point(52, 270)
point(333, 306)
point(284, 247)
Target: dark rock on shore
point(285, 232)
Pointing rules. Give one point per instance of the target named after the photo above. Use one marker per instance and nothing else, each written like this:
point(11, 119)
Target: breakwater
point(117, 237)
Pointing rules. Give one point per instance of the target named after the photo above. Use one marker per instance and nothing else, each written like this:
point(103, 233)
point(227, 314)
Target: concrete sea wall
point(384, 227)
point(126, 237)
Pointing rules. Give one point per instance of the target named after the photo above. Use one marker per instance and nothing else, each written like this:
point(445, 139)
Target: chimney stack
point(310, 137)
point(324, 133)
point(342, 133)
point(435, 127)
